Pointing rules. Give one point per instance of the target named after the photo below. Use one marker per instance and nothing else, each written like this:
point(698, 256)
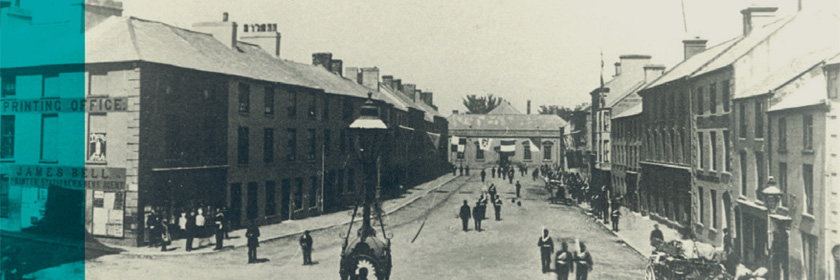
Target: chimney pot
point(692, 47)
point(653, 71)
point(397, 85)
point(387, 80)
point(617, 68)
point(408, 90)
point(335, 66)
point(322, 59)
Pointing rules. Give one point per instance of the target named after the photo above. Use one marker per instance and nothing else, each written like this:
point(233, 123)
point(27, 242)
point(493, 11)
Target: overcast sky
point(547, 51)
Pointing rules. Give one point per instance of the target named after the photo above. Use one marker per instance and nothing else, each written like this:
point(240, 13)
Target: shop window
point(108, 213)
point(9, 85)
point(270, 198)
point(269, 100)
point(7, 137)
point(268, 145)
point(298, 193)
point(313, 191)
point(242, 145)
point(49, 138)
point(291, 144)
point(244, 98)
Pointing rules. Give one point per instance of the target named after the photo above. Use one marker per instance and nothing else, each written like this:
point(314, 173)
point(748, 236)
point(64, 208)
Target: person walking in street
point(253, 235)
point(219, 222)
point(497, 207)
point(518, 187)
point(563, 262)
point(616, 214)
point(477, 216)
point(656, 237)
point(190, 230)
point(546, 249)
point(464, 214)
point(165, 237)
point(461, 171)
point(468, 170)
point(492, 191)
point(483, 175)
point(493, 172)
point(454, 171)
point(226, 222)
point(502, 173)
point(306, 247)
point(583, 263)
point(510, 175)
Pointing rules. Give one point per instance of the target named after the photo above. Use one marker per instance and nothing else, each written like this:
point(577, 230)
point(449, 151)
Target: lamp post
point(366, 254)
point(778, 251)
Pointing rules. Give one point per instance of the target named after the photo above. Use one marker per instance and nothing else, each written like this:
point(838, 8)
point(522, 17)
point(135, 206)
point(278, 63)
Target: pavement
point(289, 228)
point(634, 229)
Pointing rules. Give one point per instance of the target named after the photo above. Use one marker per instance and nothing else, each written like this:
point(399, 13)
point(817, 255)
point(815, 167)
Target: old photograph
point(377, 139)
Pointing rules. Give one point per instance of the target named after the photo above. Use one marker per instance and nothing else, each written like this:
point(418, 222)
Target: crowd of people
point(200, 223)
point(571, 187)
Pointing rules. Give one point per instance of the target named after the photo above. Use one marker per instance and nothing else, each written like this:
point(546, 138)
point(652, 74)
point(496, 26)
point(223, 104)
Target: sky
point(547, 51)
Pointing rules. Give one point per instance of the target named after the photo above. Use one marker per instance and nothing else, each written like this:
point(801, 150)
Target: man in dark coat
point(518, 188)
point(219, 222)
point(477, 215)
point(191, 230)
point(497, 207)
point(253, 235)
point(154, 232)
point(583, 263)
point(306, 247)
point(546, 249)
point(503, 173)
point(510, 175)
point(461, 171)
point(483, 175)
point(468, 170)
point(454, 171)
point(493, 171)
point(465, 215)
point(656, 236)
point(563, 262)
point(616, 214)
point(492, 191)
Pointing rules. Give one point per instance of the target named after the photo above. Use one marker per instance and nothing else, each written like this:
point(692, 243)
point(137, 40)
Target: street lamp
point(367, 254)
point(772, 195)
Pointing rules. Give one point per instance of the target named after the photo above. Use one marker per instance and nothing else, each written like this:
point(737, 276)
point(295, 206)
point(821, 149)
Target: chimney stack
point(757, 17)
point(617, 69)
point(418, 95)
point(528, 108)
point(322, 59)
point(335, 66)
point(268, 40)
point(224, 31)
point(370, 77)
point(693, 46)
point(396, 85)
point(387, 80)
point(427, 97)
point(352, 73)
point(653, 71)
point(408, 90)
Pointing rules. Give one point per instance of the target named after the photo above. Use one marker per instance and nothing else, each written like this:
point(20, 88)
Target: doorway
point(253, 207)
point(236, 205)
point(285, 198)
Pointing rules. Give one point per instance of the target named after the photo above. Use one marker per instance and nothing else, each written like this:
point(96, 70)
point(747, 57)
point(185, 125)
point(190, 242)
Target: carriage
point(673, 260)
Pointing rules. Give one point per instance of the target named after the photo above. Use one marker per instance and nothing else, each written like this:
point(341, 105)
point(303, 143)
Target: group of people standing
point(605, 206)
point(479, 211)
point(191, 224)
point(565, 261)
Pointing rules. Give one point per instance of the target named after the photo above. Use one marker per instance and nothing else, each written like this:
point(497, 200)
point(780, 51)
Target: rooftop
point(517, 122)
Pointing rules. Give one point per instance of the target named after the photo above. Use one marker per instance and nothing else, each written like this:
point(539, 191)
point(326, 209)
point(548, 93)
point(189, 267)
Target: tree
point(481, 105)
point(563, 112)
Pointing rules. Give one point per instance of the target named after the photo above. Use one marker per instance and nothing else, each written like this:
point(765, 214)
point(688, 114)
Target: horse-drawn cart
point(673, 260)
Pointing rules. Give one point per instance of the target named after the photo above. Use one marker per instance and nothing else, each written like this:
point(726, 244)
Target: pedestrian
point(518, 187)
point(190, 230)
point(534, 174)
point(182, 224)
point(656, 237)
point(200, 227)
point(454, 171)
point(503, 173)
point(165, 237)
point(477, 216)
point(616, 214)
point(583, 261)
point(563, 262)
point(219, 221)
point(465, 215)
point(497, 207)
point(152, 223)
point(461, 171)
point(546, 249)
point(493, 172)
point(306, 247)
point(483, 174)
point(468, 170)
point(11, 264)
point(492, 191)
point(510, 176)
point(727, 241)
point(253, 235)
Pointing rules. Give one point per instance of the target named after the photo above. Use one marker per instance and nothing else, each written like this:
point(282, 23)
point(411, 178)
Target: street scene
point(208, 139)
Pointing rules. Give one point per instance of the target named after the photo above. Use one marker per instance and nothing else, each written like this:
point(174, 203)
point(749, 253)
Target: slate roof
point(784, 74)
point(504, 109)
point(689, 66)
point(633, 111)
point(811, 92)
point(518, 122)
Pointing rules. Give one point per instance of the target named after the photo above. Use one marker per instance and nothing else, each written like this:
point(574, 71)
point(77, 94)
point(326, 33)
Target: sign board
point(65, 105)
point(78, 178)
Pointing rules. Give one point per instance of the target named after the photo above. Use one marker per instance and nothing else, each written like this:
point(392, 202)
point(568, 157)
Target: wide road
point(505, 249)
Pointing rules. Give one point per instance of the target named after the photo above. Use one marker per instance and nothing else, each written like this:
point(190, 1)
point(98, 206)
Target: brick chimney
point(352, 73)
point(387, 80)
point(693, 46)
point(98, 11)
point(528, 108)
point(617, 69)
point(322, 59)
point(269, 41)
point(396, 84)
point(418, 95)
point(757, 17)
point(370, 77)
point(632, 66)
point(224, 31)
point(408, 90)
point(653, 71)
point(335, 66)
point(428, 98)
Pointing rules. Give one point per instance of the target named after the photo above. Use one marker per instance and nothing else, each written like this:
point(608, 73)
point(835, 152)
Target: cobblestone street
point(505, 249)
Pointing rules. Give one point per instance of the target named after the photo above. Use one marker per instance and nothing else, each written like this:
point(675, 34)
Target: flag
point(462, 144)
point(453, 143)
point(508, 145)
point(534, 147)
point(484, 144)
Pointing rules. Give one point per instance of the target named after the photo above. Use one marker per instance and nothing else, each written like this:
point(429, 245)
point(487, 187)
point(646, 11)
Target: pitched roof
point(504, 109)
point(517, 122)
point(809, 91)
point(792, 69)
point(633, 111)
point(692, 64)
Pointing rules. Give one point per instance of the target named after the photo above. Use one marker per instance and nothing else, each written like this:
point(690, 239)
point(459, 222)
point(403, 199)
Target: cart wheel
point(649, 273)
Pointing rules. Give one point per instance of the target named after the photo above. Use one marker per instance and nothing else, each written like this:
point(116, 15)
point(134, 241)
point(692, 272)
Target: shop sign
point(79, 178)
point(65, 105)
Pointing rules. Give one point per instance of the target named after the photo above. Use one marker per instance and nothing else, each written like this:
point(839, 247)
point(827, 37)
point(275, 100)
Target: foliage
point(482, 104)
